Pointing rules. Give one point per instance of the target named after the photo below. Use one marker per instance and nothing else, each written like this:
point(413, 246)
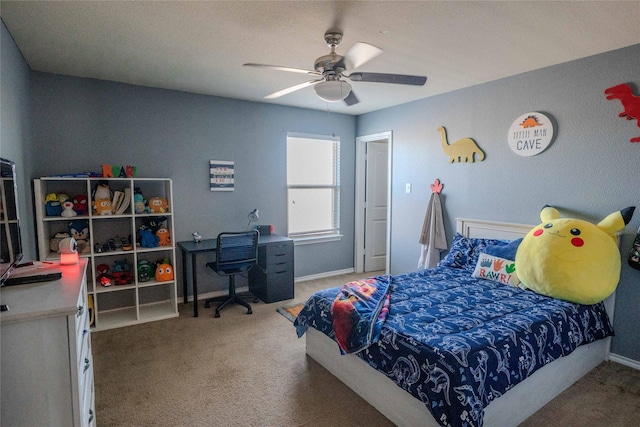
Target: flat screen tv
point(10, 240)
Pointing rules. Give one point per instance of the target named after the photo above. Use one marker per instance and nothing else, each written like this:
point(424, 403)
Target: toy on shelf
point(79, 230)
point(139, 202)
point(158, 205)
point(164, 272)
point(102, 275)
point(147, 238)
point(122, 273)
point(103, 207)
point(145, 270)
point(102, 199)
point(53, 207)
point(54, 242)
point(164, 237)
point(80, 204)
point(67, 209)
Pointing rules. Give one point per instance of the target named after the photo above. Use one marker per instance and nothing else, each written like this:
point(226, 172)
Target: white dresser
point(46, 364)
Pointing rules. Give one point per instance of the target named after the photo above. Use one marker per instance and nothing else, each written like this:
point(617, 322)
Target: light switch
point(407, 188)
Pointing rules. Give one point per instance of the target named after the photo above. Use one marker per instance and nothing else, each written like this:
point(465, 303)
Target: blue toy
point(79, 230)
point(53, 206)
point(147, 238)
point(140, 204)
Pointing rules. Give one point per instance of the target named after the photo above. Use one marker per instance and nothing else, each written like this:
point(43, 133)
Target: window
point(313, 187)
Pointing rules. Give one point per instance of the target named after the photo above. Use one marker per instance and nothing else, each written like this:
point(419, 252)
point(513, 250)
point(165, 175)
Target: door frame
point(361, 144)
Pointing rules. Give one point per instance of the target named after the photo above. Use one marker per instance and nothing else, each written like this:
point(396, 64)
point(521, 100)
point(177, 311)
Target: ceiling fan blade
point(281, 68)
point(358, 54)
point(401, 79)
point(290, 89)
point(351, 99)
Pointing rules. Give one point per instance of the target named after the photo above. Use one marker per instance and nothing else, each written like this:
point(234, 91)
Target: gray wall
point(16, 130)
point(589, 171)
point(83, 123)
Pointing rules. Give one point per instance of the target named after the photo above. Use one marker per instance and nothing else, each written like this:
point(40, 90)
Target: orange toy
point(164, 236)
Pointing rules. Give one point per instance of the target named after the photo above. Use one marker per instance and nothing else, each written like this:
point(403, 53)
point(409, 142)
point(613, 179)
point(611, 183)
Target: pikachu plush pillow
point(572, 259)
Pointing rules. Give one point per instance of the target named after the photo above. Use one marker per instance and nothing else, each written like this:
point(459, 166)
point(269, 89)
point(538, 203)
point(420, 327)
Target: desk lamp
point(253, 216)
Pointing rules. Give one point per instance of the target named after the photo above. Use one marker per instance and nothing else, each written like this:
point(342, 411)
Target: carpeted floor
point(242, 370)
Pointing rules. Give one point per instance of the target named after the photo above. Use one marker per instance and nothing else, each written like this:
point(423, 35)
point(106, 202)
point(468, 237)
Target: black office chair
point(236, 252)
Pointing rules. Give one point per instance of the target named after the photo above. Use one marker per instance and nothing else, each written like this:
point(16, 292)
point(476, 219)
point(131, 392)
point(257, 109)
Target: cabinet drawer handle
point(87, 364)
point(80, 311)
point(90, 415)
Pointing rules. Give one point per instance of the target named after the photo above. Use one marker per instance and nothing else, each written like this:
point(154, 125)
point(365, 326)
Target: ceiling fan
point(333, 71)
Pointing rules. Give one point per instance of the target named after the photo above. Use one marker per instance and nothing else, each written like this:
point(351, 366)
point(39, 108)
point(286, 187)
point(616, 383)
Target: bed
point(402, 380)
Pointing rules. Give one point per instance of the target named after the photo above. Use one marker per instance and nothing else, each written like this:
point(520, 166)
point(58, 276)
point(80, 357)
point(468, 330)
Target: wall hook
point(436, 187)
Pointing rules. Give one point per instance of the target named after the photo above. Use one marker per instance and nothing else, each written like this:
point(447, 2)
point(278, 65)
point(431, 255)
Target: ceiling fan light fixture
point(332, 90)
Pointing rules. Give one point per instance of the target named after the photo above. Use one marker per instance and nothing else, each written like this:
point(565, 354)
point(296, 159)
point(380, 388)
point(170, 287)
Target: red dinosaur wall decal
point(630, 103)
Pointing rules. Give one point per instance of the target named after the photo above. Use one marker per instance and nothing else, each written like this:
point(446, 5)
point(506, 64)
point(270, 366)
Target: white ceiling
point(200, 47)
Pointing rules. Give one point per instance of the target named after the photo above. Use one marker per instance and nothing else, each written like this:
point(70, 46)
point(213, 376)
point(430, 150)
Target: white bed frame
point(508, 410)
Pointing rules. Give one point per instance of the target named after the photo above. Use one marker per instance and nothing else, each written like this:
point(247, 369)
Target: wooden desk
point(271, 280)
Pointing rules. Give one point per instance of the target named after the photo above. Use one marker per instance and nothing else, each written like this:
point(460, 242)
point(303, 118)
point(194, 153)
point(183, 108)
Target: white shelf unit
point(116, 305)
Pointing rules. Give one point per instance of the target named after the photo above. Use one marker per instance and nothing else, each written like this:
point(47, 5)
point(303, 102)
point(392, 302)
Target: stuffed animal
point(154, 223)
point(67, 209)
point(53, 206)
point(139, 203)
point(102, 275)
point(147, 238)
point(79, 230)
point(102, 199)
point(158, 205)
point(164, 272)
point(572, 259)
point(145, 270)
point(164, 237)
point(54, 242)
point(103, 207)
point(80, 204)
point(122, 273)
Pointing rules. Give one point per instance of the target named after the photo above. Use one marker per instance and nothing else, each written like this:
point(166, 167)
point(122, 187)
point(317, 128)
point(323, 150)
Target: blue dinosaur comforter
point(456, 342)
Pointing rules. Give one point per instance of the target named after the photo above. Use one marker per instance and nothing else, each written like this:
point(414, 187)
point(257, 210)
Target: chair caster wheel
point(249, 311)
point(207, 305)
point(217, 314)
point(255, 300)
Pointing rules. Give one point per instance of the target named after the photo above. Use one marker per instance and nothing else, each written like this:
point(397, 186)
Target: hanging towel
point(433, 238)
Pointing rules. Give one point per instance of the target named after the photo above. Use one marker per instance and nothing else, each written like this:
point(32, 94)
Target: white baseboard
point(624, 361)
point(324, 275)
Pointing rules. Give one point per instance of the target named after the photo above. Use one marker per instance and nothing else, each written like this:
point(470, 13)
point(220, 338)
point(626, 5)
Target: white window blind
point(313, 186)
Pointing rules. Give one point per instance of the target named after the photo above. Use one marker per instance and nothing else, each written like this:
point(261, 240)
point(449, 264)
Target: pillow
point(497, 269)
point(572, 259)
point(507, 251)
point(465, 251)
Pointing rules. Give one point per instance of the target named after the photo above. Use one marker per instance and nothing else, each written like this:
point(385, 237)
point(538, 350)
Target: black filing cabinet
point(272, 279)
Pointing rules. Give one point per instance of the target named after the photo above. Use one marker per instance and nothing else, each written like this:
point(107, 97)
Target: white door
point(375, 236)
